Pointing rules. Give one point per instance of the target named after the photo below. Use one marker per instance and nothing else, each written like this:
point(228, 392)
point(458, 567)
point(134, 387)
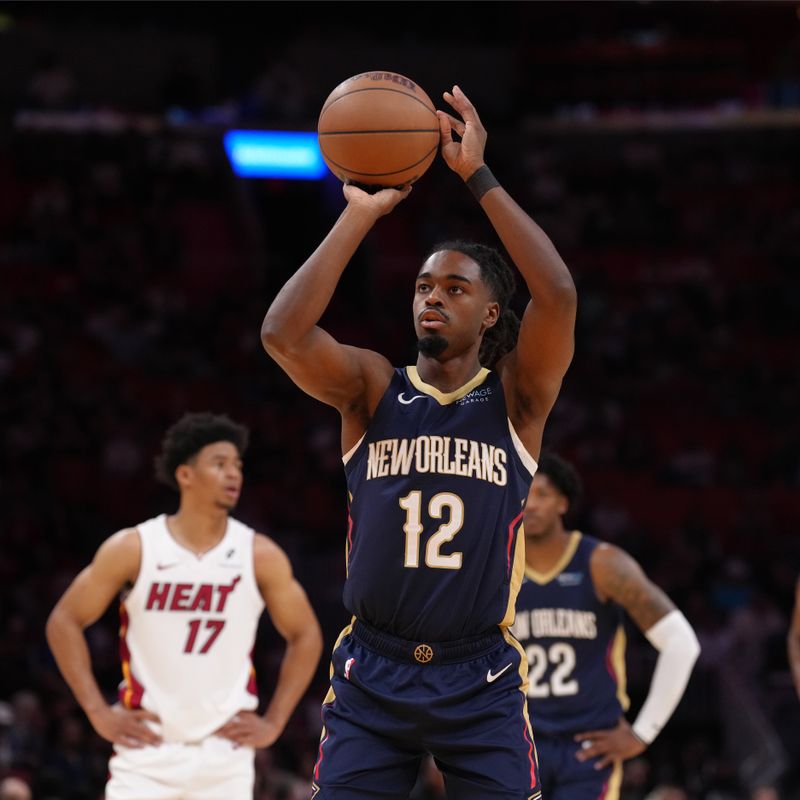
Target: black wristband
point(481, 181)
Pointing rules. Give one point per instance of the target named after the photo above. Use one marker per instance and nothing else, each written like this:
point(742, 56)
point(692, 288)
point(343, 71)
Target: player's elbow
point(693, 646)
point(315, 642)
point(275, 336)
point(564, 292)
point(560, 296)
point(54, 625)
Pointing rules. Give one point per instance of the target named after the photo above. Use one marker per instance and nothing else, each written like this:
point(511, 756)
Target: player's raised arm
point(115, 564)
point(618, 577)
point(532, 373)
point(336, 374)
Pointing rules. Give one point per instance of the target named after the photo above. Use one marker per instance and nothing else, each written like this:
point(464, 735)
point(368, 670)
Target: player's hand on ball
point(608, 746)
point(120, 725)
point(248, 729)
point(379, 203)
point(466, 156)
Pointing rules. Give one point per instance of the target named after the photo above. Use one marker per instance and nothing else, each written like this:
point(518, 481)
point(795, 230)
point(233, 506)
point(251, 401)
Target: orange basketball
point(378, 129)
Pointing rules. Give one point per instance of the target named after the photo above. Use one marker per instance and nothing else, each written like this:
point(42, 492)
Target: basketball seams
point(407, 138)
point(377, 89)
point(380, 174)
point(388, 130)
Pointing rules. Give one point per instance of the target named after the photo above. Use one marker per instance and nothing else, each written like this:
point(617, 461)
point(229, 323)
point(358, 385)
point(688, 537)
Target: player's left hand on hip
point(249, 730)
point(608, 746)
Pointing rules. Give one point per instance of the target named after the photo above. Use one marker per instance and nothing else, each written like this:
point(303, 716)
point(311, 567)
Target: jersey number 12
point(444, 502)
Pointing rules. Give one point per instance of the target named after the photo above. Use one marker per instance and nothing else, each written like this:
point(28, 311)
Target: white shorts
point(212, 769)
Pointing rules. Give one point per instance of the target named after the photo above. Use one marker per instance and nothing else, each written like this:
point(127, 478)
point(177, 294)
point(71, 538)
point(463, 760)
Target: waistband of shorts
point(426, 652)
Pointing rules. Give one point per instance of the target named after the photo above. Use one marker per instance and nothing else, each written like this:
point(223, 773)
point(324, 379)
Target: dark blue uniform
point(435, 556)
point(575, 646)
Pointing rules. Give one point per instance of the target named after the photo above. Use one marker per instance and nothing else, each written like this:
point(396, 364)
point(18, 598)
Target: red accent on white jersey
point(189, 627)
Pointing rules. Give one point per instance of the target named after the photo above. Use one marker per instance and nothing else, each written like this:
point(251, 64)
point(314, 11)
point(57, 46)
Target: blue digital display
point(275, 154)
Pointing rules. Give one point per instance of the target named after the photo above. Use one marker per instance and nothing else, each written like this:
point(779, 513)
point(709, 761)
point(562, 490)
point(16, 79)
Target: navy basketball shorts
point(566, 778)
point(392, 701)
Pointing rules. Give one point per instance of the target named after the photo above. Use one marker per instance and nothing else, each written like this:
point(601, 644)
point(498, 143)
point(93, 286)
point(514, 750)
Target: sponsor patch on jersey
point(479, 395)
point(570, 579)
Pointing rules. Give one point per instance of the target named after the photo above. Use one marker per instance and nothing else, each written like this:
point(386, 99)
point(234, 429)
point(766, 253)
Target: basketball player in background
point(193, 585)
point(793, 640)
point(438, 459)
point(570, 622)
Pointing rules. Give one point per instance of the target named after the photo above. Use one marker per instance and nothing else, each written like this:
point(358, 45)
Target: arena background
point(657, 144)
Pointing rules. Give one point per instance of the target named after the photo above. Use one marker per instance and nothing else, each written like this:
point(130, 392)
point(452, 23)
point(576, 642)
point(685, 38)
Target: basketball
point(378, 129)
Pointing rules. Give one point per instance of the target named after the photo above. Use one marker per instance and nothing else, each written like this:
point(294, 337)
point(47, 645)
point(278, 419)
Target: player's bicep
point(286, 601)
point(619, 577)
point(331, 372)
point(115, 564)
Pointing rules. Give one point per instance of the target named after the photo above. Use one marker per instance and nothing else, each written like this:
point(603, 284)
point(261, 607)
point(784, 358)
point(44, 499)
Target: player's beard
point(432, 345)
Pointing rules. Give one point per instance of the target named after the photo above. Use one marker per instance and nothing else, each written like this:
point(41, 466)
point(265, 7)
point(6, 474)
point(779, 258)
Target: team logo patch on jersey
point(570, 579)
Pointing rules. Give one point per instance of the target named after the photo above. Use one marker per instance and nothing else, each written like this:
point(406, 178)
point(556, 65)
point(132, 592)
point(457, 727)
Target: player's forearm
point(297, 670)
point(544, 271)
point(302, 301)
point(678, 649)
point(68, 645)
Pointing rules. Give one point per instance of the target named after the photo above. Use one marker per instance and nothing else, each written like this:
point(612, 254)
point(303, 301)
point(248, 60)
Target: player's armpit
point(619, 577)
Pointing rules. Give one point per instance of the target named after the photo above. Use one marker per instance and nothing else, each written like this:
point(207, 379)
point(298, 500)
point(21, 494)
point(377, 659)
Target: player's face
point(544, 508)
point(215, 474)
point(452, 304)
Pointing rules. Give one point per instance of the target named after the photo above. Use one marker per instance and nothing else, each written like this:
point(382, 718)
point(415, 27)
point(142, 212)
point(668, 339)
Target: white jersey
point(188, 627)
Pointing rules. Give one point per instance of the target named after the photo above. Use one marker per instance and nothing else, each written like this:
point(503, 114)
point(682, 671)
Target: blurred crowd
point(136, 270)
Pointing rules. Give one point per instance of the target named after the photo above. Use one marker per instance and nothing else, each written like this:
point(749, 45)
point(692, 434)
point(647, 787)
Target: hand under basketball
point(377, 203)
point(249, 729)
point(466, 156)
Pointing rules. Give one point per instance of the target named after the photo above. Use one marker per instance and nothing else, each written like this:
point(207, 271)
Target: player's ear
point(183, 475)
point(491, 317)
point(563, 505)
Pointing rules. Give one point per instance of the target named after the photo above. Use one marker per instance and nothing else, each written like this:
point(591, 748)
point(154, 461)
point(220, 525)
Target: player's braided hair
point(499, 277)
point(563, 475)
point(189, 435)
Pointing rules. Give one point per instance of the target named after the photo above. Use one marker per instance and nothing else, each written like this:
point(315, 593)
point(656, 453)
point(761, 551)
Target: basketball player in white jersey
point(193, 586)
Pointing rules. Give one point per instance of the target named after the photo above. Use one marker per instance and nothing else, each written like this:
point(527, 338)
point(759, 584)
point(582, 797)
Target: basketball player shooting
point(193, 585)
point(570, 622)
point(438, 458)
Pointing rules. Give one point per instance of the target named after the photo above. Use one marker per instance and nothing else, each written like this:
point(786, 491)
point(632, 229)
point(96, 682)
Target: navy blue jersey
point(437, 486)
point(575, 646)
